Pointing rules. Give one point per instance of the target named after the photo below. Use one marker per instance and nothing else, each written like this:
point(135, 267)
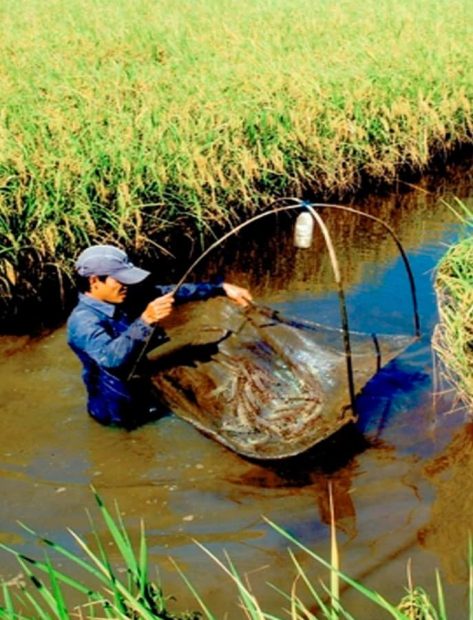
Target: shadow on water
point(400, 475)
point(326, 458)
point(392, 390)
point(335, 460)
point(331, 462)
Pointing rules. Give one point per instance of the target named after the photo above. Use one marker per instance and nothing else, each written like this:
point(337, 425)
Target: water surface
point(401, 478)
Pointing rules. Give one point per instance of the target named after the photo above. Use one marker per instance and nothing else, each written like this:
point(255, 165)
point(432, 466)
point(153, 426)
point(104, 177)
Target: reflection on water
point(275, 269)
point(331, 463)
point(400, 477)
point(447, 531)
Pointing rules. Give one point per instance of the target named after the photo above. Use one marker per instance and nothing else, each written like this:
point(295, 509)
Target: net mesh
point(263, 384)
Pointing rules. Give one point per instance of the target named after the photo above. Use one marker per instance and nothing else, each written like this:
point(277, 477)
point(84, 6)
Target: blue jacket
point(109, 342)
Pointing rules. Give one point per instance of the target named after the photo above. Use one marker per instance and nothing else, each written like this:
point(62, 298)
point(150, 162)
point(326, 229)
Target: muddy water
point(402, 478)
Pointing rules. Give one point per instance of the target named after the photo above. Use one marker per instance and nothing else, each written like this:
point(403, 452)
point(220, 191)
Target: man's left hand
point(238, 294)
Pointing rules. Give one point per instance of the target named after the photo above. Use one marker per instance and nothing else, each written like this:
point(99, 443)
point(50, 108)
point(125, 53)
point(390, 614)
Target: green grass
point(137, 597)
point(133, 595)
point(453, 337)
point(134, 120)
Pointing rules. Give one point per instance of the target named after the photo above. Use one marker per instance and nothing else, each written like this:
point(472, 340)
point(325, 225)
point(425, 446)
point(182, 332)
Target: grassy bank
point(134, 120)
point(129, 591)
point(453, 338)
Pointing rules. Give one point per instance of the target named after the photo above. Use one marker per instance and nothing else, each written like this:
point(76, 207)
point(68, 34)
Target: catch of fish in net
point(265, 385)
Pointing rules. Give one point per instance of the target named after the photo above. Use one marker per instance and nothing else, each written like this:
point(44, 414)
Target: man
point(110, 341)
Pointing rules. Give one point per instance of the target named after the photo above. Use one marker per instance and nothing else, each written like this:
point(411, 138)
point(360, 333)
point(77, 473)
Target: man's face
point(110, 290)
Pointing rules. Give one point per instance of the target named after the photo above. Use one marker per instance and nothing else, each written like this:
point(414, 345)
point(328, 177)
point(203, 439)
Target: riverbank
point(400, 486)
point(453, 337)
point(140, 597)
point(143, 124)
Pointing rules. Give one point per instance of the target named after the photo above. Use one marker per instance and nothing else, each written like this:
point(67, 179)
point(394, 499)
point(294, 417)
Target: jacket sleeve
point(192, 292)
point(92, 336)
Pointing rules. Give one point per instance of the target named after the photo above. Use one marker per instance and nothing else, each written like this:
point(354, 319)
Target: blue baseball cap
point(107, 260)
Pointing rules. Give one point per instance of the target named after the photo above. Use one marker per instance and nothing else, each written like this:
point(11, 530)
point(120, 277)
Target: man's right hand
point(158, 309)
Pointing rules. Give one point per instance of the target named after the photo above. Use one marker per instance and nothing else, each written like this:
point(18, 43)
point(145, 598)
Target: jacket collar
point(102, 306)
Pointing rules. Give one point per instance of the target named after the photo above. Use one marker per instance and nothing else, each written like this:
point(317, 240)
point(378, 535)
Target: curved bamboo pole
point(401, 252)
point(336, 271)
point(301, 204)
point(342, 305)
point(232, 232)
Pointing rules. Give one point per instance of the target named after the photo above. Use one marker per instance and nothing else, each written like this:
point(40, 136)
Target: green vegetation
point(453, 338)
point(136, 120)
point(132, 596)
point(137, 597)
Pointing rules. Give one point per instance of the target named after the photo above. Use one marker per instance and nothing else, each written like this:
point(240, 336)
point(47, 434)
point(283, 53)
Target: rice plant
point(453, 337)
point(133, 121)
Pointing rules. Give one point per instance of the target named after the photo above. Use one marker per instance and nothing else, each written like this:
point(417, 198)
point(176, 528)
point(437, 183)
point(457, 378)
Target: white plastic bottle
point(303, 230)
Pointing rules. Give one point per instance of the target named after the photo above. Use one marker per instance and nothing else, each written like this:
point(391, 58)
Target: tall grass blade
point(299, 605)
point(41, 589)
point(121, 540)
point(109, 576)
point(250, 603)
point(341, 610)
point(96, 597)
point(40, 614)
point(316, 596)
point(470, 577)
point(334, 560)
point(440, 597)
point(56, 592)
point(121, 593)
point(143, 562)
point(367, 592)
point(64, 552)
point(8, 609)
point(461, 212)
point(198, 598)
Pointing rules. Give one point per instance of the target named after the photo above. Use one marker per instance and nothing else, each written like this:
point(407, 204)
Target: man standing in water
point(110, 341)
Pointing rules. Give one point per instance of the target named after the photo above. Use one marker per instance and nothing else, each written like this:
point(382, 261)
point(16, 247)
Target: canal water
point(401, 478)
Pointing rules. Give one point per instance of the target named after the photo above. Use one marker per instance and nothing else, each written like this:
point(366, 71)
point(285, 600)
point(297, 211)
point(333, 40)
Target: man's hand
point(158, 309)
point(238, 294)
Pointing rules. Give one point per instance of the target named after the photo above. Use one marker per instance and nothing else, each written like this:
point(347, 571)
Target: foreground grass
point(130, 119)
point(453, 338)
point(135, 596)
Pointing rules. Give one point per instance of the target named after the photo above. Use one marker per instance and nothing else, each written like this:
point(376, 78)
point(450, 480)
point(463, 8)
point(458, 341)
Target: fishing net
point(264, 385)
